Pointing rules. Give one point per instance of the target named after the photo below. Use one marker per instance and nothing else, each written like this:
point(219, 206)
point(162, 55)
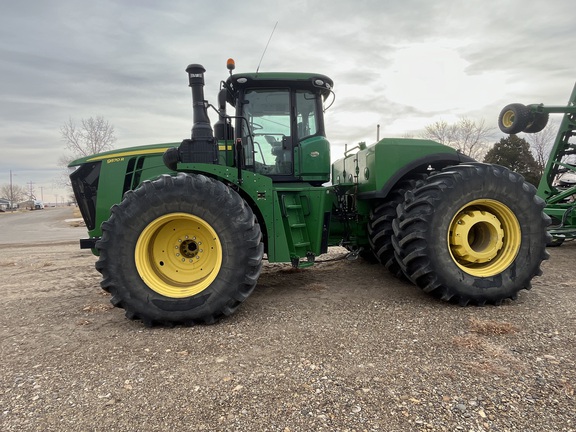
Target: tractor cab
point(277, 129)
point(279, 122)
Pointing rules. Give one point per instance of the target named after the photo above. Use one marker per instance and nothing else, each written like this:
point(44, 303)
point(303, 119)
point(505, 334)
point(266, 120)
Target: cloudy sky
point(400, 64)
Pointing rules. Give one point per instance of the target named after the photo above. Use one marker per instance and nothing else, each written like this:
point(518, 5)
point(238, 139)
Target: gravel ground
point(342, 346)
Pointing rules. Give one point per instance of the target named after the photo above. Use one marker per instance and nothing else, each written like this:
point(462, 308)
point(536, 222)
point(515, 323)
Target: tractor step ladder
point(294, 212)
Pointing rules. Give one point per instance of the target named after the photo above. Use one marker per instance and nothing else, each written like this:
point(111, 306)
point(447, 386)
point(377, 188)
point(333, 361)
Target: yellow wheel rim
point(178, 255)
point(484, 237)
point(508, 118)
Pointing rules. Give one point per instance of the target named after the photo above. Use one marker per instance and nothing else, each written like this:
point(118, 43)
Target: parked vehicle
point(181, 229)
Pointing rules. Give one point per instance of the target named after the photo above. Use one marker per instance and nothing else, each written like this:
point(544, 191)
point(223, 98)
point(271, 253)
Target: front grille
point(85, 186)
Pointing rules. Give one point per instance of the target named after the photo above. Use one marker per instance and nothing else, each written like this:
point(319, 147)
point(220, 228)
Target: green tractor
point(558, 183)
point(181, 229)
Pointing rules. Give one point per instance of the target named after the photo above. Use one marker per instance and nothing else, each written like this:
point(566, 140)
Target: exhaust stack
point(201, 128)
point(201, 148)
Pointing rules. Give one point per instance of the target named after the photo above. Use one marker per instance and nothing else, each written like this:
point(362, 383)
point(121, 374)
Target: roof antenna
point(268, 43)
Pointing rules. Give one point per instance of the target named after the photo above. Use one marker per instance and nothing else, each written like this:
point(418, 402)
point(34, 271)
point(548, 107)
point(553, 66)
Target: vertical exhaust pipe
point(201, 127)
point(201, 148)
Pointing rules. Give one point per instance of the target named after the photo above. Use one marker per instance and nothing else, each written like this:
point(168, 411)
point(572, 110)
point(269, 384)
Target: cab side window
point(306, 114)
point(268, 127)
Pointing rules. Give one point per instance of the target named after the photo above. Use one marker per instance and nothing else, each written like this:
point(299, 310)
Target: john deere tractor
point(181, 229)
point(558, 182)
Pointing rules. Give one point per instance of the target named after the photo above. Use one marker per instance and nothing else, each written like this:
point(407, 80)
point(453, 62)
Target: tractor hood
point(115, 155)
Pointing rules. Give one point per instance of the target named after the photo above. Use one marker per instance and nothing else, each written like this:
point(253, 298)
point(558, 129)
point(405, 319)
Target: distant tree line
point(475, 139)
point(13, 193)
point(92, 135)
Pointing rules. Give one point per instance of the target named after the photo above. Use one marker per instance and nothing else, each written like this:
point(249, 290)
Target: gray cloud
point(63, 59)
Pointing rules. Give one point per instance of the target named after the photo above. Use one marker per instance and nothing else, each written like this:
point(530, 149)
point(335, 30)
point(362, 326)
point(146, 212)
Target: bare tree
point(13, 193)
point(541, 144)
point(94, 135)
point(468, 136)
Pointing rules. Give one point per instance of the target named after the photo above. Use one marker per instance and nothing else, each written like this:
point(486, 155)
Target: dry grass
point(97, 308)
point(478, 343)
point(470, 342)
point(491, 327)
point(316, 287)
point(488, 357)
point(489, 368)
point(566, 387)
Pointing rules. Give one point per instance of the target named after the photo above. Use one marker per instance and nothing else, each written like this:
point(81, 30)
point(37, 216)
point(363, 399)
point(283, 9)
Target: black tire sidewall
point(508, 189)
point(219, 206)
point(521, 118)
point(380, 229)
point(538, 123)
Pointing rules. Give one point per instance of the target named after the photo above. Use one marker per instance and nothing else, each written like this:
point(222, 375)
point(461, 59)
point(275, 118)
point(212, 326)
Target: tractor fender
point(258, 194)
point(421, 165)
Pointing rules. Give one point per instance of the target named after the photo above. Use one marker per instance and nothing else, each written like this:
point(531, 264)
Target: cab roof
point(298, 80)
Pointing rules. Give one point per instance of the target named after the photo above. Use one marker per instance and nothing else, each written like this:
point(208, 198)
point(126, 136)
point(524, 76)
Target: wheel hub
point(508, 118)
point(484, 237)
point(188, 248)
point(477, 237)
point(178, 255)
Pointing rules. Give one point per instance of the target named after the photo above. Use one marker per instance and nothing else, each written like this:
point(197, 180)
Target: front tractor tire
point(472, 233)
point(180, 249)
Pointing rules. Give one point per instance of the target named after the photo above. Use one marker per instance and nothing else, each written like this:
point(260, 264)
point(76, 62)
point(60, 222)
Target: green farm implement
point(558, 183)
point(181, 229)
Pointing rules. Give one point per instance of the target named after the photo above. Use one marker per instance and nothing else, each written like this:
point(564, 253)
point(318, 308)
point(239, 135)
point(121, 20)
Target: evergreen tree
point(514, 153)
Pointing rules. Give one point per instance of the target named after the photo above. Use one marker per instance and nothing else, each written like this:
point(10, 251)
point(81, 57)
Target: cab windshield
point(270, 129)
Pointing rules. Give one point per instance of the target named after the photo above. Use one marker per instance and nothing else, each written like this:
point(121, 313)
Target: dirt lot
point(341, 346)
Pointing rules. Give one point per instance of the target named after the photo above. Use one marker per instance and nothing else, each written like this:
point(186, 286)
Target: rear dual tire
point(472, 233)
point(380, 227)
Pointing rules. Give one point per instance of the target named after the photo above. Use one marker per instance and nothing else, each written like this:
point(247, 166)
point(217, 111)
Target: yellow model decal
point(128, 153)
point(116, 159)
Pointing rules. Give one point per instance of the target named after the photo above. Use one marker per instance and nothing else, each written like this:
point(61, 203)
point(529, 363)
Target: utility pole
point(30, 183)
point(11, 193)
